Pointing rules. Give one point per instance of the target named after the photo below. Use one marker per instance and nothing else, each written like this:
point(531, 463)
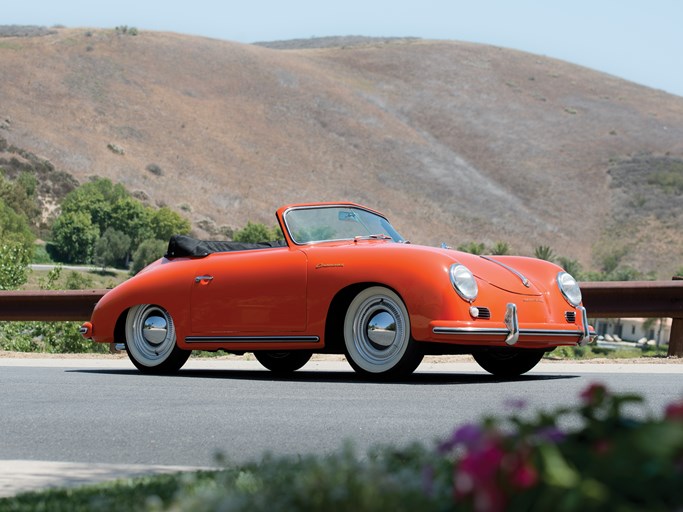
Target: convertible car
point(343, 281)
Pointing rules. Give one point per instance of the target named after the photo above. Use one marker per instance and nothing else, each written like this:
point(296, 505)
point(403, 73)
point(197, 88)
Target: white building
point(635, 329)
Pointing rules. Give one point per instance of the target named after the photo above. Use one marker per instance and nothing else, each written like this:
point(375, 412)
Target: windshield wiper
point(379, 236)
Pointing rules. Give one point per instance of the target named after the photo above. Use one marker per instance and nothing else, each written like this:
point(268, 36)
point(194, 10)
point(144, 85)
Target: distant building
point(635, 329)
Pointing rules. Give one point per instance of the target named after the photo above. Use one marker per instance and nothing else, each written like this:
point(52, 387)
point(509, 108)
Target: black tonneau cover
point(181, 246)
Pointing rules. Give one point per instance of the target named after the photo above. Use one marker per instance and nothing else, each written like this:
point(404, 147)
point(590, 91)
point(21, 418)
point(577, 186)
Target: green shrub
point(78, 281)
point(146, 253)
point(473, 248)
point(257, 232)
point(46, 337)
point(613, 457)
point(14, 260)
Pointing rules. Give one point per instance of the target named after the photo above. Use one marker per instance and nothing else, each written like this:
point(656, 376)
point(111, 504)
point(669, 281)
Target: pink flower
point(674, 411)
point(475, 476)
point(525, 476)
point(594, 394)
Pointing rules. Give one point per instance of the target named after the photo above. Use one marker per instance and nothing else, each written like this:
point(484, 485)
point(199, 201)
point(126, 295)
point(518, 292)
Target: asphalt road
point(105, 412)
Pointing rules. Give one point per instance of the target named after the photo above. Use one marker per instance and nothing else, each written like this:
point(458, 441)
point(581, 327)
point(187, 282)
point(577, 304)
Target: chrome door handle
point(199, 279)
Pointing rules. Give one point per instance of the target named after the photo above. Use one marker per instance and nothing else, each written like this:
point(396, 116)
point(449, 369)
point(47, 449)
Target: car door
point(255, 291)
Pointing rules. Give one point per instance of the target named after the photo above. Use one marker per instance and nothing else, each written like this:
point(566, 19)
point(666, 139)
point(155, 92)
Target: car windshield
point(325, 223)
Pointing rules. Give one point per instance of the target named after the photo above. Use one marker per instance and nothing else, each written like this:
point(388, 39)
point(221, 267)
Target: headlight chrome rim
point(569, 288)
point(463, 282)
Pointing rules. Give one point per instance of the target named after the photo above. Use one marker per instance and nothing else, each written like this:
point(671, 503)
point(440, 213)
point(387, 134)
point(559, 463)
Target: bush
point(78, 281)
point(74, 237)
point(111, 250)
point(473, 248)
point(257, 232)
point(612, 461)
point(46, 337)
point(149, 251)
point(14, 260)
point(609, 461)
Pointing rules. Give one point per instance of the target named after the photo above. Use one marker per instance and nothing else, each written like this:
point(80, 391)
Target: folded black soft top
point(180, 246)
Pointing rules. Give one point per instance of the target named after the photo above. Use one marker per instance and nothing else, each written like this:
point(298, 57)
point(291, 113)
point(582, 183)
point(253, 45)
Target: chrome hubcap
point(150, 334)
point(380, 332)
point(154, 329)
point(381, 329)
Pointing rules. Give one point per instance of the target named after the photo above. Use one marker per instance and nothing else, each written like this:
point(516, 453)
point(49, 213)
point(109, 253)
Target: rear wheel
point(508, 362)
point(151, 340)
point(377, 335)
point(283, 362)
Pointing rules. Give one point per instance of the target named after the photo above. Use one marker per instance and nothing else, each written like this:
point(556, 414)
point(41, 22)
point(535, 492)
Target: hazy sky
point(640, 40)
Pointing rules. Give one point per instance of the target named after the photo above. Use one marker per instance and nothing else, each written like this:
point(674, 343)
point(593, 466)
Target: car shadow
point(350, 377)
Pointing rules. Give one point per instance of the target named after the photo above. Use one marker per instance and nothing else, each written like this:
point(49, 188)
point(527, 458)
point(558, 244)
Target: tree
point(95, 198)
point(110, 206)
point(74, 237)
point(544, 252)
point(112, 249)
point(253, 233)
point(501, 249)
point(570, 266)
point(130, 216)
point(473, 248)
point(148, 251)
point(20, 196)
point(14, 260)
point(14, 227)
point(165, 223)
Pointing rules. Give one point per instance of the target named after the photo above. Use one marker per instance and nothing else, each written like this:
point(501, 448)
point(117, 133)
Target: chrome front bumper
point(512, 332)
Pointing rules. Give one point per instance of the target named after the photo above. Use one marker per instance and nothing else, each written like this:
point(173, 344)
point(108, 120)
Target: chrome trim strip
point(504, 332)
point(247, 339)
point(524, 280)
point(479, 331)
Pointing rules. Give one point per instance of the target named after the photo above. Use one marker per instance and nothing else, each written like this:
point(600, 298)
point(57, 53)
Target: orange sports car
point(342, 281)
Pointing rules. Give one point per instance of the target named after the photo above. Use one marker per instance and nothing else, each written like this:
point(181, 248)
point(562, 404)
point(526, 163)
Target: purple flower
point(468, 435)
point(516, 404)
point(550, 435)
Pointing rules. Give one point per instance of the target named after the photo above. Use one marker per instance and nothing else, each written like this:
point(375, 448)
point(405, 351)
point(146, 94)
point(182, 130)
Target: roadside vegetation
point(100, 224)
point(523, 460)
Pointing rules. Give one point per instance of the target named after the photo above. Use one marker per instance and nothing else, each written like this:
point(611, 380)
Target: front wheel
point(283, 362)
point(377, 335)
point(151, 340)
point(508, 362)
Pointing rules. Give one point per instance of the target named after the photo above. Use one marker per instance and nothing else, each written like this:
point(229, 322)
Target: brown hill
point(456, 142)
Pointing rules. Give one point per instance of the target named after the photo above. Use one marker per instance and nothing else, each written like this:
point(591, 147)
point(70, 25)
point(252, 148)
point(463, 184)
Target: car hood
point(501, 275)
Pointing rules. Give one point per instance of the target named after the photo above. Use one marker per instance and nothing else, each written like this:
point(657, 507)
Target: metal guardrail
point(618, 299)
point(639, 299)
point(48, 305)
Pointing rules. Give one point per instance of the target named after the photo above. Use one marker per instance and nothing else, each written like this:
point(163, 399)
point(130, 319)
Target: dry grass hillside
point(456, 142)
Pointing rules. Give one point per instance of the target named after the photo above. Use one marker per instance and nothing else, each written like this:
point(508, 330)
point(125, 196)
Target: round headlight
point(569, 288)
point(464, 282)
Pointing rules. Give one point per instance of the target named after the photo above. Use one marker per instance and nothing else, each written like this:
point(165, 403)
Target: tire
point(151, 340)
point(283, 362)
point(377, 338)
point(508, 362)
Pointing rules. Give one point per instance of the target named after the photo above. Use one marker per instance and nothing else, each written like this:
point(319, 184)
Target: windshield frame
point(387, 229)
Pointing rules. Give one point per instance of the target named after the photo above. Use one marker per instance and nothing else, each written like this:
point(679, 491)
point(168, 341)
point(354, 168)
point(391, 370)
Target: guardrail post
point(676, 339)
